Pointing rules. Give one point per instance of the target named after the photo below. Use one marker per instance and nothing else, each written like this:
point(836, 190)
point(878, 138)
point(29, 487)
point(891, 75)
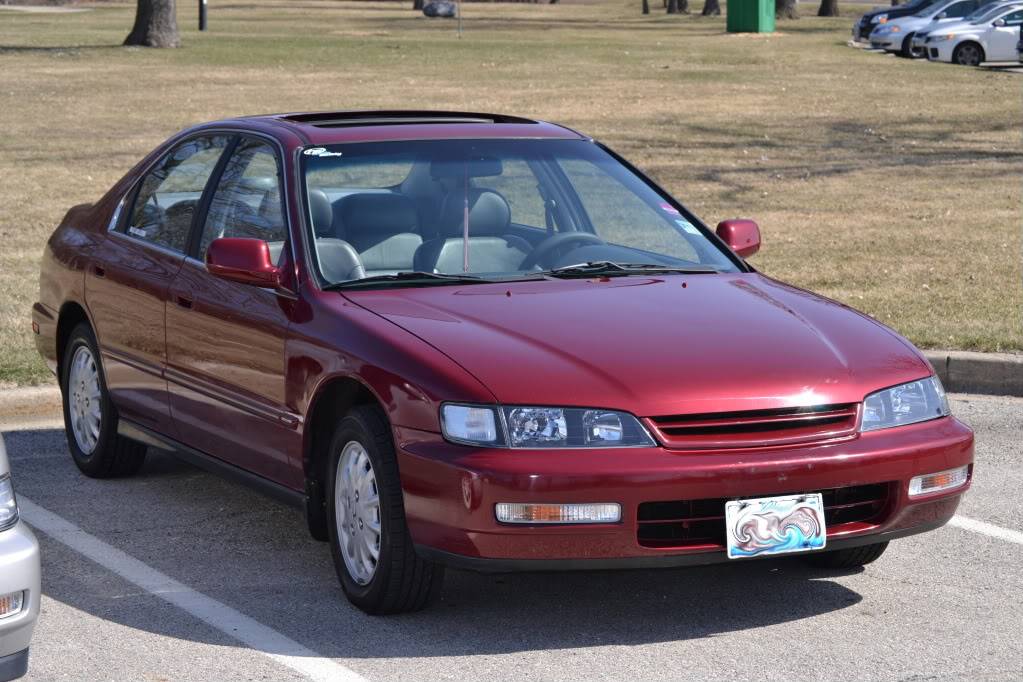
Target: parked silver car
point(980, 14)
point(19, 580)
point(896, 35)
point(992, 39)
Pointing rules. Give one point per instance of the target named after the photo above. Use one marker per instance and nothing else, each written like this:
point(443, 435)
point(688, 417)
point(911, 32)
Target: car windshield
point(426, 212)
point(980, 13)
point(988, 14)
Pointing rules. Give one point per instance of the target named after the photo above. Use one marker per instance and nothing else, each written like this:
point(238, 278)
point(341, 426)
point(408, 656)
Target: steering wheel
point(553, 243)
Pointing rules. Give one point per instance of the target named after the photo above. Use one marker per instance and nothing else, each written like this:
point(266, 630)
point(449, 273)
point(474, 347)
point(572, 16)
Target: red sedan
point(484, 342)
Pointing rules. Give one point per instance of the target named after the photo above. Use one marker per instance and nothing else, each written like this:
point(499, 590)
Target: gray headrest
point(376, 215)
point(322, 212)
point(489, 214)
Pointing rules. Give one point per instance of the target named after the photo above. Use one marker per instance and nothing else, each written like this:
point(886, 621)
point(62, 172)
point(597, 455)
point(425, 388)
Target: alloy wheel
point(357, 512)
point(84, 401)
point(969, 55)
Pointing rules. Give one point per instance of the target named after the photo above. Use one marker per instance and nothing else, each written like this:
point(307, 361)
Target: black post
point(202, 15)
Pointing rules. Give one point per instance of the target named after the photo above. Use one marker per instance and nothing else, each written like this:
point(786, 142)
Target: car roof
point(334, 127)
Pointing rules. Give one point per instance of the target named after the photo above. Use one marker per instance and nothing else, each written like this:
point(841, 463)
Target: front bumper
point(14, 666)
point(450, 492)
point(19, 570)
point(940, 52)
point(891, 42)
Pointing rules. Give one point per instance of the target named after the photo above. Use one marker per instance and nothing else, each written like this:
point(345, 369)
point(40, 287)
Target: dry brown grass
point(888, 184)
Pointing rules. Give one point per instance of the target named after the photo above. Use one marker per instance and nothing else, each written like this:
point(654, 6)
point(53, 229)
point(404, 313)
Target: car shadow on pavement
point(248, 551)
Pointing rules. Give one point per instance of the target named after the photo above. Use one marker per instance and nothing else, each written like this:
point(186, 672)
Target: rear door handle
point(184, 302)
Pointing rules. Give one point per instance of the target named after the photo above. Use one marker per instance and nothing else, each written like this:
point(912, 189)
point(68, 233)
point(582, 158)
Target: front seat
point(383, 228)
point(491, 247)
point(339, 262)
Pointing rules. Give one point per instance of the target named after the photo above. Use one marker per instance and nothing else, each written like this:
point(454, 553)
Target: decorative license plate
point(775, 525)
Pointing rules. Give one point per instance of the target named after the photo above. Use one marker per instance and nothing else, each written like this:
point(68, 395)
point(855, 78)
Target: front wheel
point(968, 54)
point(90, 419)
point(372, 550)
point(854, 557)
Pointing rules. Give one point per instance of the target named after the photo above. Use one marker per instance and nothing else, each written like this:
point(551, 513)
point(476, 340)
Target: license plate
point(775, 525)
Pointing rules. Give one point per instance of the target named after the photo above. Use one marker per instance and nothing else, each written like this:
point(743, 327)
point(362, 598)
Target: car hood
point(954, 27)
point(908, 23)
point(654, 345)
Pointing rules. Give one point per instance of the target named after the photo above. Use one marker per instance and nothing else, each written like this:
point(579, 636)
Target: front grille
point(700, 524)
point(756, 428)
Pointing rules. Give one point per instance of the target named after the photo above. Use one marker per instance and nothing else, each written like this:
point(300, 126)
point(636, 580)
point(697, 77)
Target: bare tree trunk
point(672, 6)
point(156, 25)
point(828, 8)
point(417, 4)
point(683, 6)
point(711, 8)
point(786, 9)
point(646, 6)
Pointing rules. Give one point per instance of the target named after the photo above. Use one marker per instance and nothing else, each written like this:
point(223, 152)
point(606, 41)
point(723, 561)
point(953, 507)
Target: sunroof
point(374, 118)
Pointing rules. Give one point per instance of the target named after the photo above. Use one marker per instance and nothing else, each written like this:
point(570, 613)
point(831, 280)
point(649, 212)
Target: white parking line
point(988, 529)
point(263, 639)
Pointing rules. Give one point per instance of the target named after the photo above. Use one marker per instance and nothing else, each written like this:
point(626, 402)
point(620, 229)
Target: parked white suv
point(991, 39)
point(19, 580)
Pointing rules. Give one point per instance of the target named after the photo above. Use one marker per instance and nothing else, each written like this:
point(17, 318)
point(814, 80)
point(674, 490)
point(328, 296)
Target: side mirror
point(999, 22)
point(743, 236)
point(246, 261)
point(943, 15)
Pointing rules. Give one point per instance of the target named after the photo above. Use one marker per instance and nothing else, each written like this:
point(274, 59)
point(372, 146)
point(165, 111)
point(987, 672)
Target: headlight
point(938, 39)
point(8, 505)
point(879, 19)
point(909, 403)
point(541, 427)
point(893, 29)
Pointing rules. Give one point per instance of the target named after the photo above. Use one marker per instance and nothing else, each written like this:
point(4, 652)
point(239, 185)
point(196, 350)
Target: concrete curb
point(29, 404)
point(968, 372)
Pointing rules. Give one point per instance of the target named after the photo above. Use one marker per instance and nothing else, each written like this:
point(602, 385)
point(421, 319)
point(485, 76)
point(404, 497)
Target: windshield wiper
point(611, 269)
point(410, 277)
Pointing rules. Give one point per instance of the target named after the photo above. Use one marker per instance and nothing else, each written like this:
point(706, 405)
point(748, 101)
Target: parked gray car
point(19, 580)
point(896, 35)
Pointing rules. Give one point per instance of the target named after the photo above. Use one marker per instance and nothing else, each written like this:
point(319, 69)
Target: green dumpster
point(750, 16)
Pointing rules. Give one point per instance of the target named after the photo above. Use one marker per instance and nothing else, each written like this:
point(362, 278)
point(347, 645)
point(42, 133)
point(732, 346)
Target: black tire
point(402, 581)
point(113, 455)
point(968, 54)
point(854, 557)
point(907, 49)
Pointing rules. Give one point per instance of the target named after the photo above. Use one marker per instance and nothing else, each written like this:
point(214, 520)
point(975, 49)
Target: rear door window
point(169, 194)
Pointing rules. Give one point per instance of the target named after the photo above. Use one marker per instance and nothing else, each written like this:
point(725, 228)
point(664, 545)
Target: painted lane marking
point(988, 529)
point(227, 620)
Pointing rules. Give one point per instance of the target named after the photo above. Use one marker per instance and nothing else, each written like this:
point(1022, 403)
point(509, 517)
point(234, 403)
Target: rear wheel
point(968, 54)
point(90, 419)
point(847, 558)
point(908, 50)
point(373, 553)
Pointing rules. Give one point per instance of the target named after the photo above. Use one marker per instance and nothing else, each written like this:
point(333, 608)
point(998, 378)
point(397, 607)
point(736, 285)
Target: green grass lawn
point(891, 185)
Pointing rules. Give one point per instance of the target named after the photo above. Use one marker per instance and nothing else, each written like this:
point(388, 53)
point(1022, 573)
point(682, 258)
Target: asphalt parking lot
point(179, 575)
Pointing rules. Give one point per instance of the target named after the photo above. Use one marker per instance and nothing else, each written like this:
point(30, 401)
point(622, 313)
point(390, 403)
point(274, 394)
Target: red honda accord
point(484, 342)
